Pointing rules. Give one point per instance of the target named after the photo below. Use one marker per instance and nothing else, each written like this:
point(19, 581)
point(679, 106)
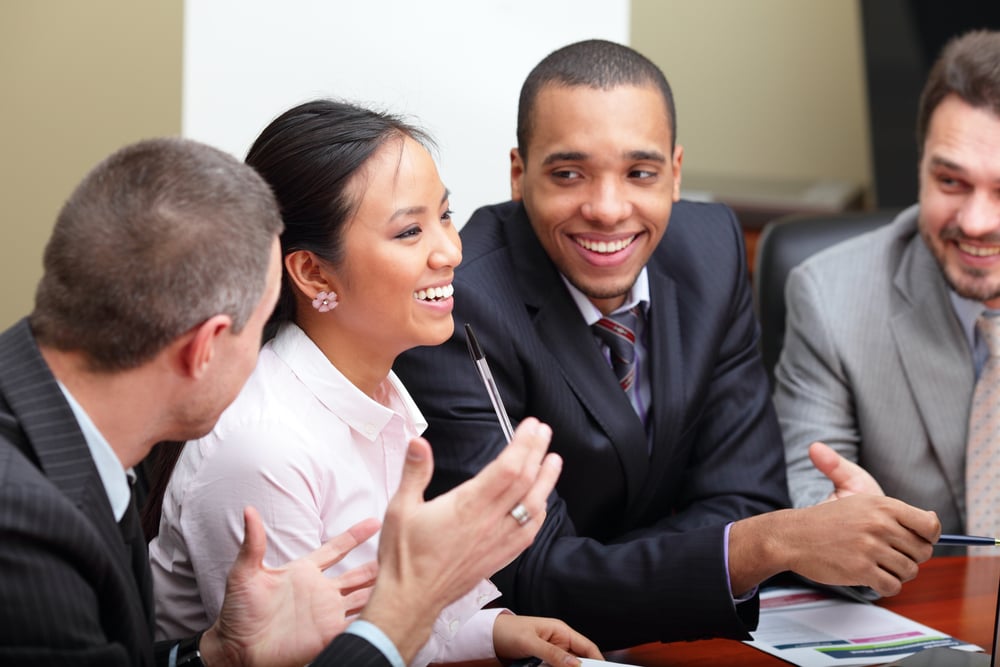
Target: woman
point(316, 439)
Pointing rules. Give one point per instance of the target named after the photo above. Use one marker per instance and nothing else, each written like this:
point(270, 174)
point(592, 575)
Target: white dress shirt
point(314, 455)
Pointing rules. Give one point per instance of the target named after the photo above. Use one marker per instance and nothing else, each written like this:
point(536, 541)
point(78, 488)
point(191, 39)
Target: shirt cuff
point(373, 634)
point(746, 597)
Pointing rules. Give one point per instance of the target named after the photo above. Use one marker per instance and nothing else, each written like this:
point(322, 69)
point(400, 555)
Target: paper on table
point(811, 629)
point(590, 662)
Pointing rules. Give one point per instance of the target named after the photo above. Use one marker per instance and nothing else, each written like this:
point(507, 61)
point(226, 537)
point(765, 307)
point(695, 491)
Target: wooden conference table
point(956, 595)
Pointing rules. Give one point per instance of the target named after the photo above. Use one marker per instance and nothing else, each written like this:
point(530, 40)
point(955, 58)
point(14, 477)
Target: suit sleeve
point(349, 649)
point(812, 395)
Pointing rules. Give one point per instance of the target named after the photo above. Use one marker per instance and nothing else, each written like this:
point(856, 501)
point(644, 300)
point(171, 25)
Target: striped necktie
point(982, 457)
point(618, 333)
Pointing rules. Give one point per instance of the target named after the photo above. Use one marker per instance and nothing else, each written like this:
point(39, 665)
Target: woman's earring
point(325, 301)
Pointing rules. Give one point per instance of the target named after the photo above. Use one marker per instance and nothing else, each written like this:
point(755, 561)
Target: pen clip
point(479, 359)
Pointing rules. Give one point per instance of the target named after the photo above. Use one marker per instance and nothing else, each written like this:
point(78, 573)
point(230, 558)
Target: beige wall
point(78, 80)
point(767, 89)
point(770, 88)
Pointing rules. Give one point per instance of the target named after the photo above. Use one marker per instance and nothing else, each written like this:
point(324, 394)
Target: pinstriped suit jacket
point(68, 591)
point(637, 533)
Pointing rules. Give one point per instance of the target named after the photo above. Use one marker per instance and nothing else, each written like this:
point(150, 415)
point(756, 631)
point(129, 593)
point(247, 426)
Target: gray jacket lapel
point(935, 357)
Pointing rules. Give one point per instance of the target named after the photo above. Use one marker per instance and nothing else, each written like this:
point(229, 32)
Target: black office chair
point(783, 244)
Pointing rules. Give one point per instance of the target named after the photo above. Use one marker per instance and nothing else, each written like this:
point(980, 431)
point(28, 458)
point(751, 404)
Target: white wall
point(454, 66)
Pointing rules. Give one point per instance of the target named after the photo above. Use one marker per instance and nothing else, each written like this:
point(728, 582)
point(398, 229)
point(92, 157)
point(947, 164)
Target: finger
point(583, 647)
point(251, 554)
point(334, 549)
point(508, 477)
point(551, 654)
point(536, 438)
point(417, 470)
point(828, 462)
point(355, 601)
point(359, 577)
point(924, 523)
point(536, 500)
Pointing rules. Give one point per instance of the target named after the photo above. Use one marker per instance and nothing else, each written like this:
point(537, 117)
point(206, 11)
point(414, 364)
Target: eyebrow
point(579, 156)
point(417, 210)
point(937, 161)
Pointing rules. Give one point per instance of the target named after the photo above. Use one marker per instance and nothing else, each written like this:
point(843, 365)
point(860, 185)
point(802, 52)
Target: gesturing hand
point(286, 615)
point(433, 552)
point(848, 477)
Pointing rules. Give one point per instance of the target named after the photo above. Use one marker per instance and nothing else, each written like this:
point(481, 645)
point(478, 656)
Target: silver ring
point(520, 514)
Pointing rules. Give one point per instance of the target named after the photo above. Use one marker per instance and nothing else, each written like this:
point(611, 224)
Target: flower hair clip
point(325, 301)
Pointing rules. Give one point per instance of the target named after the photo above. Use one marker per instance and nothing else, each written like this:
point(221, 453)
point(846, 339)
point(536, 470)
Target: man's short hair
point(156, 239)
point(594, 63)
point(969, 67)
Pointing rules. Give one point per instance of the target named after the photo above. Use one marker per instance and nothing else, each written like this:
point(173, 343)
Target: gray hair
point(157, 238)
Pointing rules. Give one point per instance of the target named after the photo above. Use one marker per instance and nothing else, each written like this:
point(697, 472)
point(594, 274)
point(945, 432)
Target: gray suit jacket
point(876, 365)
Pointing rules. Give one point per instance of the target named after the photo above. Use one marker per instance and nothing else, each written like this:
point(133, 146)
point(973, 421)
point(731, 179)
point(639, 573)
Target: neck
point(117, 402)
point(360, 361)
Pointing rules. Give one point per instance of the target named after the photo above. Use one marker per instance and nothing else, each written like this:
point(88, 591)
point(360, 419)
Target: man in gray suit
point(161, 270)
point(874, 385)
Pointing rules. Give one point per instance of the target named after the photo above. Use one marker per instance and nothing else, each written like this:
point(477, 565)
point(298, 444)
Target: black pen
point(969, 540)
point(491, 387)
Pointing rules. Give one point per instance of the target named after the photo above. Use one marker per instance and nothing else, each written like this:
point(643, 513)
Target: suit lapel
point(55, 438)
point(665, 344)
point(567, 337)
point(934, 354)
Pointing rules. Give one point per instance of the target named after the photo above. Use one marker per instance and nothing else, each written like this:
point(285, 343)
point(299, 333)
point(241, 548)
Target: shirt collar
point(638, 295)
point(363, 414)
point(114, 478)
point(967, 311)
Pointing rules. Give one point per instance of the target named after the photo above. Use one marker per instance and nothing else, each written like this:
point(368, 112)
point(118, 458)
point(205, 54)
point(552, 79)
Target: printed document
point(810, 628)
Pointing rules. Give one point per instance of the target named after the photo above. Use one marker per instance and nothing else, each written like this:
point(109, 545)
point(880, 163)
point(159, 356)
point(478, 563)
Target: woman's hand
point(547, 638)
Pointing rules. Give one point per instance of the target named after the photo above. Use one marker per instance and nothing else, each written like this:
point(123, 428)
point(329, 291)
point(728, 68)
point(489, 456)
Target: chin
point(435, 336)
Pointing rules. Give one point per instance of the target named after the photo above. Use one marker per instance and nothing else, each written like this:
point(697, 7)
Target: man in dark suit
point(663, 524)
point(161, 270)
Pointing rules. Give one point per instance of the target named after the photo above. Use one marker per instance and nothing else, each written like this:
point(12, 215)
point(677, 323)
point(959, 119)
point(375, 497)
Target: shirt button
point(453, 627)
point(370, 429)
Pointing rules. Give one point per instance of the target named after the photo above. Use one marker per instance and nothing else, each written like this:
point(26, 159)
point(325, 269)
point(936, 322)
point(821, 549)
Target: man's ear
point(196, 353)
point(676, 164)
point(516, 173)
point(308, 273)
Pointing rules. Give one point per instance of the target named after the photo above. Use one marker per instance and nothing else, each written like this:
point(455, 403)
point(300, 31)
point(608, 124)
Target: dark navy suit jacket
point(632, 549)
point(72, 591)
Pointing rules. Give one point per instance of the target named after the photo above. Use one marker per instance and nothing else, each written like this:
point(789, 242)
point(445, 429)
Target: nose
point(607, 203)
point(446, 250)
point(980, 215)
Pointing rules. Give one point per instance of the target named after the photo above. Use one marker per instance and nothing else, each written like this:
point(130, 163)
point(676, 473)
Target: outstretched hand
point(848, 477)
point(433, 552)
point(286, 615)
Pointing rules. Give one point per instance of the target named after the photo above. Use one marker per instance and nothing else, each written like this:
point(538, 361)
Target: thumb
point(828, 461)
point(417, 471)
point(251, 555)
point(847, 476)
